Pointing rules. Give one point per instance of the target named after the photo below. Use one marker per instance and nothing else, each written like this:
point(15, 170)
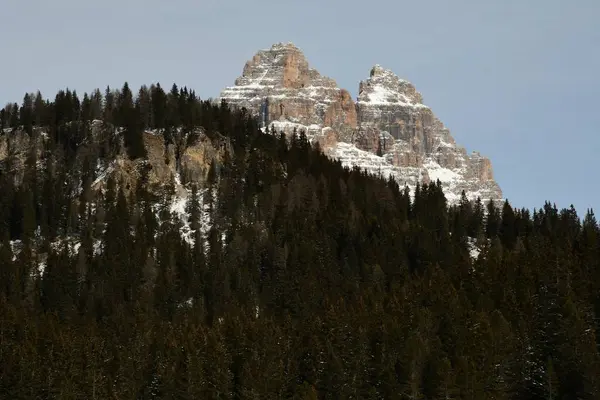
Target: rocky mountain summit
point(388, 130)
point(279, 84)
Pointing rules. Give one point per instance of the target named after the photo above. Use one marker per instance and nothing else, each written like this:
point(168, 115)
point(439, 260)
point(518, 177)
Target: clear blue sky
point(517, 80)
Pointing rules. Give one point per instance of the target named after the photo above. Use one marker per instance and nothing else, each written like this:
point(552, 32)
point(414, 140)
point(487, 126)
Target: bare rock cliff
point(388, 118)
point(392, 117)
point(158, 168)
point(279, 84)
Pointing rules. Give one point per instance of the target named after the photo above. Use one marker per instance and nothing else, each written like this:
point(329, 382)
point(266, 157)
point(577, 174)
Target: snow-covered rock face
point(280, 87)
point(415, 138)
point(385, 88)
point(280, 81)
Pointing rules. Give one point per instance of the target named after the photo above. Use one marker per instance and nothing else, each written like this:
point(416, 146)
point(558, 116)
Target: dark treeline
point(302, 279)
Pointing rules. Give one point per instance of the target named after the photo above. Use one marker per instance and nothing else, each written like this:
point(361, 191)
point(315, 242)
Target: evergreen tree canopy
point(283, 275)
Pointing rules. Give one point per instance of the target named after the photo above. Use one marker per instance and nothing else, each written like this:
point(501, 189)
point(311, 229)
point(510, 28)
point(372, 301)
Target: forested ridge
point(301, 279)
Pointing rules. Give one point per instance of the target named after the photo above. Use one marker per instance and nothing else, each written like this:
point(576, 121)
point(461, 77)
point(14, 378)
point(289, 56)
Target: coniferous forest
point(301, 279)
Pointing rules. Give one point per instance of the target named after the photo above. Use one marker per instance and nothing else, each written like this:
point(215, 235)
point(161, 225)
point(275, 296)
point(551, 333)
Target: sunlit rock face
point(388, 118)
point(392, 116)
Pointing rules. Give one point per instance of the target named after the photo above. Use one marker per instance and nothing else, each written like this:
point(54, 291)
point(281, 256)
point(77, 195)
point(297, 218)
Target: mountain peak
point(384, 87)
point(298, 95)
point(378, 71)
point(284, 46)
point(388, 119)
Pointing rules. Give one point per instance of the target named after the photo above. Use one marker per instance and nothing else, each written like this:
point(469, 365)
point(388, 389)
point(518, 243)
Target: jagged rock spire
point(389, 111)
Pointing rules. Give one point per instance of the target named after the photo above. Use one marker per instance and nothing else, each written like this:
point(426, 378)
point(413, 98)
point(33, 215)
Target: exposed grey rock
point(389, 113)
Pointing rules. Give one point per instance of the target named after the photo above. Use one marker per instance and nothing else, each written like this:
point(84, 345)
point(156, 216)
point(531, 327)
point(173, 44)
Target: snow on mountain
point(416, 138)
point(385, 88)
point(350, 156)
point(279, 86)
point(179, 204)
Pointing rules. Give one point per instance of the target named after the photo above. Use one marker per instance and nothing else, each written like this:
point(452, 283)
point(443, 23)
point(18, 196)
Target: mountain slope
point(217, 261)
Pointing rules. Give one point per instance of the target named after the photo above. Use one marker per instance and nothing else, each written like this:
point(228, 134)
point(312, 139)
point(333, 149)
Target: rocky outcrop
point(389, 116)
point(16, 146)
point(159, 167)
point(161, 164)
point(279, 84)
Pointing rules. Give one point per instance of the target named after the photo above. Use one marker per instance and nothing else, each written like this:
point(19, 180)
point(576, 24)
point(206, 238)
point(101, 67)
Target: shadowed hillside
point(160, 246)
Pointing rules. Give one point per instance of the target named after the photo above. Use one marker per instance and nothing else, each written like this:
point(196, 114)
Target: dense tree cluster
point(302, 279)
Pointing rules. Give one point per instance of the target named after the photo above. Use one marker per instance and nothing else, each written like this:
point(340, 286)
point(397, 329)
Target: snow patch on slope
point(380, 95)
point(289, 126)
point(383, 87)
point(103, 172)
point(350, 156)
point(474, 249)
point(450, 179)
point(179, 208)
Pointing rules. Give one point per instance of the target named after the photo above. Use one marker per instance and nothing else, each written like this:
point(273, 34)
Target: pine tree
point(8, 270)
point(76, 107)
point(159, 106)
point(14, 116)
point(144, 107)
point(438, 377)
point(129, 119)
point(492, 223)
point(173, 111)
point(552, 385)
point(108, 115)
point(96, 106)
point(3, 120)
point(193, 208)
point(29, 217)
point(39, 110)
point(507, 226)
point(86, 108)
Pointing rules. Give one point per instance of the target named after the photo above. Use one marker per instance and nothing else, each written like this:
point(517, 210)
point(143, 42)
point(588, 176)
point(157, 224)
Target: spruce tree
point(129, 119)
point(3, 120)
point(96, 106)
point(108, 114)
point(14, 116)
point(27, 114)
point(507, 226)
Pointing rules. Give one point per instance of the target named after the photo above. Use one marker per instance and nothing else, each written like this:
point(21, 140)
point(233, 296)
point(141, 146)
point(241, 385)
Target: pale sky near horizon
point(516, 80)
